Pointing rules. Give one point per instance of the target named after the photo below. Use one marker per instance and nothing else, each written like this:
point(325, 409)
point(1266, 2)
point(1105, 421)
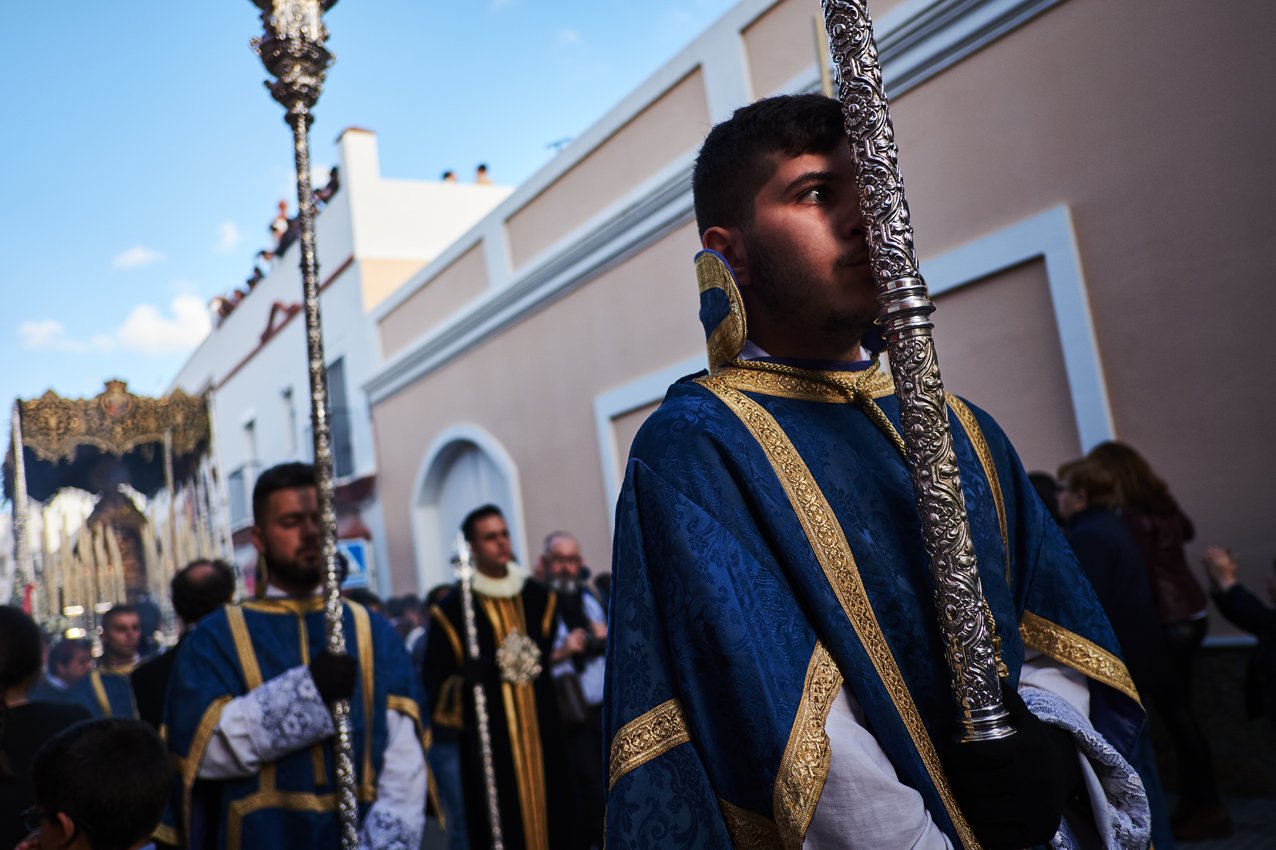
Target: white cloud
point(149, 331)
point(136, 257)
point(228, 237)
point(146, 330)
point(567, 37)
point(46, 335)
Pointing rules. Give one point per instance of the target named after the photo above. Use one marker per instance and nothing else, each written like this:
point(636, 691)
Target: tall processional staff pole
point(904, 310)
point(292, 50)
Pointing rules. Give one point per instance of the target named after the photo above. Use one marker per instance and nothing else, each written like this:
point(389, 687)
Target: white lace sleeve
point(278, 717)
point(396, 821)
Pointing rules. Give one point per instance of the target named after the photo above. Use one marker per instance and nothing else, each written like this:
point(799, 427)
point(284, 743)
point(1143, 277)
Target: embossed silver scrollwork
point(905, 307)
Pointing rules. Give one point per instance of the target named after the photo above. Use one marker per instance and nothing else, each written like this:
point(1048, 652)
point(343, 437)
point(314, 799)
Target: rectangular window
point(339, 421)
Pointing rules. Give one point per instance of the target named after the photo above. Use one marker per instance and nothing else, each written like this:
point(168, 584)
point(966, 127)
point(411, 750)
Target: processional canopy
point(115, 438)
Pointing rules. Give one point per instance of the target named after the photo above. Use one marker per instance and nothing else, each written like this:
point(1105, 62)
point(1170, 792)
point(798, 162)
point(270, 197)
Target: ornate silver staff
point(465, 572)
point(24, 569)
point(905, 306)
point(292, 50)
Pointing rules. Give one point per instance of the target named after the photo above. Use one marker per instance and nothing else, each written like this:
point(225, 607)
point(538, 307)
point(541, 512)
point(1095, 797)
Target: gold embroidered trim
point(99, 691)
point(284, 604)
point(749, 830)
point(805, 385)
point(447, 708)
point(646, 737)
point(805, 764)
point(450, 631)
point(166, 834)
point(547, 621)
point(243, 646)
point(976, 435)
point(367, 667)
point(831, 549)
point(1077, 652)
point(195, 755)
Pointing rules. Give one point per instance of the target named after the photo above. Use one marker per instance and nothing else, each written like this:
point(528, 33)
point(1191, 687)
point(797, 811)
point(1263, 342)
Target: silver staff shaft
point(292, 49)
point(465, 571)
point(905, 308)
point(24, 572)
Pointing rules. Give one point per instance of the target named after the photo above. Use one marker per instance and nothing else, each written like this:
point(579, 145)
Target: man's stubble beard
point(293, 571)
point(787, 296)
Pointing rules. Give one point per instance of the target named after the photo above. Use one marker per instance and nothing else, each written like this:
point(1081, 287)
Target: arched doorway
point(465, 468)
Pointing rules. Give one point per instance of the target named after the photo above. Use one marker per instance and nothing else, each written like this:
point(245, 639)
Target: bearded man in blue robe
point(775, 673)
point(248, 709)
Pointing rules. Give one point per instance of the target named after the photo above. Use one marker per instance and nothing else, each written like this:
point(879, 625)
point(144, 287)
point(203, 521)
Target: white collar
point(506, 587)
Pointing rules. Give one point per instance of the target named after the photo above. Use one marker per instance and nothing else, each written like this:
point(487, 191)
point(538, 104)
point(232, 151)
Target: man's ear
point(66, 827)
point(729, 242)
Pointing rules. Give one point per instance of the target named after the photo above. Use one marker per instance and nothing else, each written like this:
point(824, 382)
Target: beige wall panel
point(999, 347)
point(780, 43)
point(625, 427)
point(533, 387)
point(449, 290)
point(668, 128)
point(1142, 117)
point(382, 277)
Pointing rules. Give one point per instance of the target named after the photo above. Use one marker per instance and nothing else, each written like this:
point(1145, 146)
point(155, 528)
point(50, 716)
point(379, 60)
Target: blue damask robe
point(767, 551)
point(290, 802)
point(105, 693)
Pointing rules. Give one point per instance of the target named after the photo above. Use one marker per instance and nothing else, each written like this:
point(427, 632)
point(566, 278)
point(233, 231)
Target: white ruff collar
point(509, 586)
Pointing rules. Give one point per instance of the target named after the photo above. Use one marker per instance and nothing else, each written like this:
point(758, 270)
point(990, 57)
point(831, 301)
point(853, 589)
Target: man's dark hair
point(64, 650)
point(285, 476)
point(476, 516)
point(116, 611)
point(72, 774)
point(197, 592)
point(739, 155)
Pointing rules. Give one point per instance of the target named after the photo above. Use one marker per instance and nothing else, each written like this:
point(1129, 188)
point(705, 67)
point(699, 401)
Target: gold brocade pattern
point(829, 544)
point(115, 422)
point(506, 615)
point(805, 764)
point(749, 830)
point(727, 339)
point(450, 632)
point(976, 436)
point(547, 621)
point(646, 737)
point(448, 707)
point(1072, 649)
point(367, 670)
point(775, 379)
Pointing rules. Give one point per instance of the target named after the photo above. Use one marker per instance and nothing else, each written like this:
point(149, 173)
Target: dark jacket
point(1112, 561)
point(1244, 610)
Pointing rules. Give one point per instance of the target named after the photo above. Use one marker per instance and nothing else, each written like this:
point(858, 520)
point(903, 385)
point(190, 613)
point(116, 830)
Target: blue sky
point(143, 157)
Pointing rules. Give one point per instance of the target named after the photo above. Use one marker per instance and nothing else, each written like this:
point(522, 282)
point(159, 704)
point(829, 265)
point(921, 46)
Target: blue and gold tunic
point(768, 553)
point(106, 692)
point(291, 802)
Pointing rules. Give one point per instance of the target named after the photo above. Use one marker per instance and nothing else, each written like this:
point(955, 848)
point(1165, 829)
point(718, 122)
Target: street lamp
point(292, 51)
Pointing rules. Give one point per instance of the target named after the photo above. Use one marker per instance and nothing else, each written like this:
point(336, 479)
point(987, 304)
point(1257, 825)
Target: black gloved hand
point(334, 676)
point(1013, 790)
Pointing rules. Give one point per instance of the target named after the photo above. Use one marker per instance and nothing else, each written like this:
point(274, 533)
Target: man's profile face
point(77, 666)
point(491, 544)
point(121, 634)
point(806, 251)
point(564, 558)
point(288, 538)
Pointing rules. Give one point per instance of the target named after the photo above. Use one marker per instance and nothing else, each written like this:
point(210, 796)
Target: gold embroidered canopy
point(98, 443)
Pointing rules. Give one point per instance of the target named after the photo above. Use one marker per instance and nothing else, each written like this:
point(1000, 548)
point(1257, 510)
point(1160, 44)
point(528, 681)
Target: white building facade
point(371, 236)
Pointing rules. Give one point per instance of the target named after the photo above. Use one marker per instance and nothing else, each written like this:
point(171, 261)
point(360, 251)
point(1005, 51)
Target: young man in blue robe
point(248, 708)
point(775, 674)
point(107, 690)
